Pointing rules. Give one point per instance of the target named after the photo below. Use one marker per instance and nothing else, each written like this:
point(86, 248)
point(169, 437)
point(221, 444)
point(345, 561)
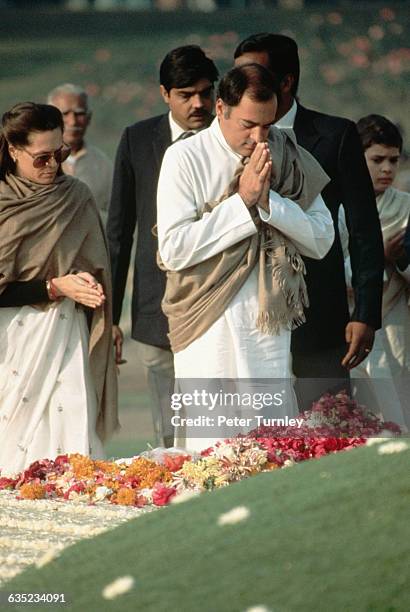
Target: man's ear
point(164, 94)
point(286, 84)
point(220, 108)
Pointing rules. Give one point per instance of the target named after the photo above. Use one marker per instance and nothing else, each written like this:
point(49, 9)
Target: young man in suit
point(187, 79)
point(319, 348)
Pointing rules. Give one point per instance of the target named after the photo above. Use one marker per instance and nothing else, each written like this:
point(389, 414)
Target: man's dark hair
point(258, 83)
point(282, 52)
point(184, 66)
point(375, 129)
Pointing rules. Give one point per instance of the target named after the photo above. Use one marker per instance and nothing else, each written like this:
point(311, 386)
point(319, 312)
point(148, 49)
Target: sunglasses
point(42, 160)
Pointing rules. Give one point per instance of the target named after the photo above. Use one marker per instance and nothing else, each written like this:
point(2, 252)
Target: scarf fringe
point(271, 324)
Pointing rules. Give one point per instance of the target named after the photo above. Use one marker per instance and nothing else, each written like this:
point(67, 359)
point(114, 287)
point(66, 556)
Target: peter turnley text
point(255, 421)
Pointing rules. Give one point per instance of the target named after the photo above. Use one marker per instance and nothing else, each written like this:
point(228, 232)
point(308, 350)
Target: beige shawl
point(197, 296)
point(394, 211)
point(52, 230)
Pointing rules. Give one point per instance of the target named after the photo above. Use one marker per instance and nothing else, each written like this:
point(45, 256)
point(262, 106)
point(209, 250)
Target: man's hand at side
point(118, 339)
point(360, 338)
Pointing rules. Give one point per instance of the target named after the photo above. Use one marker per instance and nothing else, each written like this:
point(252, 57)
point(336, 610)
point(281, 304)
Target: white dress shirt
point(288, 120)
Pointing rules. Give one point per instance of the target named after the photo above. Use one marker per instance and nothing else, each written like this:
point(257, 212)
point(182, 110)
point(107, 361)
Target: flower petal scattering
point(162, 476)
point(388, 448)
point(118, 587)
point(236, 515)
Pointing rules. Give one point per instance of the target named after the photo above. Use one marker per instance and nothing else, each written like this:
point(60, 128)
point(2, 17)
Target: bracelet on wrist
point(52, 290)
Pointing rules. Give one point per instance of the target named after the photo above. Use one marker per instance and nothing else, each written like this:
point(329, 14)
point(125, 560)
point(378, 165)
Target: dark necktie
point(184, 135)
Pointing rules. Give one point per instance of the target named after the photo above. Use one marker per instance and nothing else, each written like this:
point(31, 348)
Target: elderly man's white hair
point(67, 88)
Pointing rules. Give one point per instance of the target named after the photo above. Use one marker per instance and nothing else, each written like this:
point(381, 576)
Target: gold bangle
point(51, 290)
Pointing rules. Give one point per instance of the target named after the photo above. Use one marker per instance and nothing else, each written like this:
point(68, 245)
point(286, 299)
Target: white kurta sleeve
point(184, 239)
point(311, 231)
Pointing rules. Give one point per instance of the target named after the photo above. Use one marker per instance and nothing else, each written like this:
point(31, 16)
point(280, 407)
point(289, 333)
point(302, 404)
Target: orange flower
point(270, 466)
point(32, 491)
point(108, 467)
point(83, 467)
point(148, 472)
point(125, 497)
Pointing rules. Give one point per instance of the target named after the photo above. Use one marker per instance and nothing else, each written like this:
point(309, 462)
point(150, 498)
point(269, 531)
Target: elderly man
point(86, 162)
point(231, 239)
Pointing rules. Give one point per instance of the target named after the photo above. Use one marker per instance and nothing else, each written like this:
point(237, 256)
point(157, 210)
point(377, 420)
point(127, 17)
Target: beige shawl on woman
point(394, 211)
point(197, 296)
point(52, 230)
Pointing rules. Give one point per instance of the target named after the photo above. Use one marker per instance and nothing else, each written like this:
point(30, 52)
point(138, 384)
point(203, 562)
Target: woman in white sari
point(57, 374)
point(388, 365)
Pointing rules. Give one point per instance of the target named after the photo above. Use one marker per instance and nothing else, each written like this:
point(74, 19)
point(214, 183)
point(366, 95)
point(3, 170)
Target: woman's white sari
point(48, 404)
point(382, 381)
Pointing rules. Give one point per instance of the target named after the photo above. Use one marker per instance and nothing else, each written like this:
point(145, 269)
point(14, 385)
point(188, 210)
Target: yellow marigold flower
point(271, 466)
point(148, 472)
point(32, 491)
point(125, 497)
point(83, 467)
point(108, 467)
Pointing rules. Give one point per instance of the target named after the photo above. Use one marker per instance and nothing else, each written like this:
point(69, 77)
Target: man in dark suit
point(187, 79)
point(331, 342)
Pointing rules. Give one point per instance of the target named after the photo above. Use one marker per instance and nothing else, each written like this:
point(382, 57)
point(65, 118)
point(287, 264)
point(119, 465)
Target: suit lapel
point(161, 139)
point(305, 130)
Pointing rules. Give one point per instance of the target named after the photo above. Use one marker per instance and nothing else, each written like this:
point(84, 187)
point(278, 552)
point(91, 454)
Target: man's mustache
point(201, 113)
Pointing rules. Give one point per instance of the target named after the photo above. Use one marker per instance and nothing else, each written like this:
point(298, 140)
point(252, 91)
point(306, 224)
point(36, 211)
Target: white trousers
point(233, 348)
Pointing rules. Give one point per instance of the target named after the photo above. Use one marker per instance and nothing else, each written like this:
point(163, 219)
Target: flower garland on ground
point(334, 423)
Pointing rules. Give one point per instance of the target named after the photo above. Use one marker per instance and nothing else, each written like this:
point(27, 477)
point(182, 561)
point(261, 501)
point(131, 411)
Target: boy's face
point(382, 162)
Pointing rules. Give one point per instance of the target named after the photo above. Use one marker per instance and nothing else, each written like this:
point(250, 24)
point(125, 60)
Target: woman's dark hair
point(282, 52)
point(19, 122)
point(258, 83)
point(376, 129)
point(184, 66)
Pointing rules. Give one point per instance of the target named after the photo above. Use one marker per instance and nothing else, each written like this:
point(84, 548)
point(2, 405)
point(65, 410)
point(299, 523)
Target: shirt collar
point(216, 130)
point(73, 158)
point(176, 129)
point(288, 120)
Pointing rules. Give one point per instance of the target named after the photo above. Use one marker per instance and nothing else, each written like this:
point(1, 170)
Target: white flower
point(257, 609)
point(118, 587)
point(289, 463)
point(240, 513)
point(184, 496)
point(384, 436)
point(101, 493)
point(372, 441)
point(225, 451)
point(392, 447)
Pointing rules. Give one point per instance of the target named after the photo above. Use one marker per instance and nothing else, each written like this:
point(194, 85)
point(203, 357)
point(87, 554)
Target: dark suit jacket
point(335, 143)
point(133, 202)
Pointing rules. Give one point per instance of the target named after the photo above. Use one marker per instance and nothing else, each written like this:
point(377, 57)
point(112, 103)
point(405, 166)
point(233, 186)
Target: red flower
point(161, 495)
point(7, 483)
point(175, 462)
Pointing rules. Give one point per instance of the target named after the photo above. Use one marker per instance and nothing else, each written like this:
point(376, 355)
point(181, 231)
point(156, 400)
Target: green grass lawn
point(327, 535)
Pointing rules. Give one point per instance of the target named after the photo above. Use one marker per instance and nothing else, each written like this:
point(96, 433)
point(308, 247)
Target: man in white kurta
point(197, 171)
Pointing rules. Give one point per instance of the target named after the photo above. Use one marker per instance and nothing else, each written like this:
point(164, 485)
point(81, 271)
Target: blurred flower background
point(355, 59)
